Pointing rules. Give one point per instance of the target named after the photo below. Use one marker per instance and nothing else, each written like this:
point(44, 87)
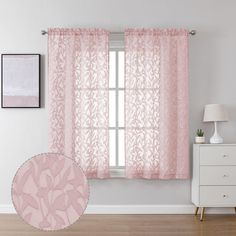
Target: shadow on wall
point(42, 80)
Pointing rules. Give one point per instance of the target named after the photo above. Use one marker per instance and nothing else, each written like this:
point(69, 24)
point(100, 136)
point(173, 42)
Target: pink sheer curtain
point(156, 104)
point(78, 96)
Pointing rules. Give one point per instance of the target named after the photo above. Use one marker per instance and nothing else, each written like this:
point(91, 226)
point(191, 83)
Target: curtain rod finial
point(193, 32)
point(43, 32)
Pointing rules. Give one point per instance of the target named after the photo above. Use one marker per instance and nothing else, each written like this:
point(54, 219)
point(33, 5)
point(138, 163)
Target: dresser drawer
point(217, 175)
point(215, 155)
point(218, 196)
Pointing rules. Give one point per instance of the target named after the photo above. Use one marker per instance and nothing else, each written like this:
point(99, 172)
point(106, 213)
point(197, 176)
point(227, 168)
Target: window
point(116, 106)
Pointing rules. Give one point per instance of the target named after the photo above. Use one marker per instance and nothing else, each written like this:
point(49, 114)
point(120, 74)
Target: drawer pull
point(224, 176)
point(225, 196)
point(225, 156)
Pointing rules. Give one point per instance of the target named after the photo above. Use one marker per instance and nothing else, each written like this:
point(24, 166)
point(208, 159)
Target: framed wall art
point(20, 80)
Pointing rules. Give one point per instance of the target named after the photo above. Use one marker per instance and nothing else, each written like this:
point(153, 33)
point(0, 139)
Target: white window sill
point(117, 172)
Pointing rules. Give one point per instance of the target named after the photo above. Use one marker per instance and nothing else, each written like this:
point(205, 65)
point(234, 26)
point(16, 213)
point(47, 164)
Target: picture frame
point(20, 81)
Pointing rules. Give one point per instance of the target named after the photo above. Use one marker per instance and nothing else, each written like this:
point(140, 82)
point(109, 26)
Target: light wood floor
point(129, 225)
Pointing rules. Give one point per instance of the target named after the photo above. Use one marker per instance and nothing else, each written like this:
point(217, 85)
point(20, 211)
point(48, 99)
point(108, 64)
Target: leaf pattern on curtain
point(156, 103)
point(78, 94)
point(50, 191)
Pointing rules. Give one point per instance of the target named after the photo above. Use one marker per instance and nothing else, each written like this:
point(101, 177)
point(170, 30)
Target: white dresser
point(214, 176)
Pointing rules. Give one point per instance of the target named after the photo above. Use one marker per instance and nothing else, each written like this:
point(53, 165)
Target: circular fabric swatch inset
point(50, 191)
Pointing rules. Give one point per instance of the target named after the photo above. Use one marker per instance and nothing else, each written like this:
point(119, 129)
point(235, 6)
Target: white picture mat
point(20, 75)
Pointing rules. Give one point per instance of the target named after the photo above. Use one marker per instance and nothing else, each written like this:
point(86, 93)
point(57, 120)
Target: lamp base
point(216, 138)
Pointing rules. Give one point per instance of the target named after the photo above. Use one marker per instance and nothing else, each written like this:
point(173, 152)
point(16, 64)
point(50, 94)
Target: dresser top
point(211, 144)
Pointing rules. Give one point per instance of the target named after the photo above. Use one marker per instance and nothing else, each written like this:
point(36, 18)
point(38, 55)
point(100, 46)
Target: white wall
point(23, 132)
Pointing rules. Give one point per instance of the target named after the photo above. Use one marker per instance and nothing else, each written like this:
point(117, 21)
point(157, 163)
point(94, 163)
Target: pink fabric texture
point(78, 94)
point(50, 191)
point(156, 104)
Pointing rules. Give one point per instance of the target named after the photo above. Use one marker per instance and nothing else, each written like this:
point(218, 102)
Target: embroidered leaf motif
point(44, 224)
point(33, 173)
point(78, 180)
point(64, 179)
point(24, 205)
point(27, 217)
point(43, 193)
point(49, 181)
point(66, 174)
point(58, 167)
point(74, 183)
point(22, 181)
point(59, 220)
point(30, 200)
point(59, 203)
point(74, 194)
point(77, 207)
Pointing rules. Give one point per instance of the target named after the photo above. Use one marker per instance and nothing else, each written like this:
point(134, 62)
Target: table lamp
point(215, 113)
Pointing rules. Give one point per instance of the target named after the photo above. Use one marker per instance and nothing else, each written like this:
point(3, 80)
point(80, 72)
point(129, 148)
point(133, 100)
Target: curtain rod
point(191, 32)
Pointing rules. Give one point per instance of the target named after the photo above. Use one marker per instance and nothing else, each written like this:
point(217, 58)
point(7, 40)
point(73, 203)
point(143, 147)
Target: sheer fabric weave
point(156, 104)
point(78, 96)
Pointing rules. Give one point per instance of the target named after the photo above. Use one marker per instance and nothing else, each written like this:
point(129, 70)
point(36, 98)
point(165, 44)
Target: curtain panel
point(78, 97)
point(156, 104)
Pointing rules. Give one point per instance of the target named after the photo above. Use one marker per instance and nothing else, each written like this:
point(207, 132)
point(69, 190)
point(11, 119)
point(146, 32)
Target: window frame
point(116, 45)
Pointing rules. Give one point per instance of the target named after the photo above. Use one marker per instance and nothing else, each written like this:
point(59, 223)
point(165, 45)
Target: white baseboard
point(137, 209)
point(7, 208)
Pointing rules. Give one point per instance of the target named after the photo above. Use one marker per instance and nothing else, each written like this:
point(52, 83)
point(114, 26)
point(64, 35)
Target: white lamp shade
point(215, 112)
